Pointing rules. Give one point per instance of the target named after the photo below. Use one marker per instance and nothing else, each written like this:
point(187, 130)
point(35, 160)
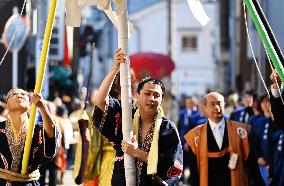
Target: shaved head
point(213, 95)
point(214, 106)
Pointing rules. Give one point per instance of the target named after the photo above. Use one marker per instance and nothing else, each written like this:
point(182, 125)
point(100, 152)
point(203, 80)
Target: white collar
point(213, 125)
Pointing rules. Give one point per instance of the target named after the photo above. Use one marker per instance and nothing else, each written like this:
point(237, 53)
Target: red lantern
point(151, 64)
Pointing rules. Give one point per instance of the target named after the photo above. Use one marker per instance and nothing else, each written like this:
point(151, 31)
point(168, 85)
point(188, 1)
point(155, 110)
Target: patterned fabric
point(175, 170)
point(16, 146)
point(170, 150)
point(43, 149)
point(143, 145)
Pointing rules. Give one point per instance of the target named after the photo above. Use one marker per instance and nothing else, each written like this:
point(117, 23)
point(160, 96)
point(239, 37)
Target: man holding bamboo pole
point(13, 133)
point(155, 146)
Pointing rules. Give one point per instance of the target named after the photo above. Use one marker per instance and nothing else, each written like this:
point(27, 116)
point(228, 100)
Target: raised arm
point(277, 107)
point(276, 81)
point(46, 116)
point(101, 98)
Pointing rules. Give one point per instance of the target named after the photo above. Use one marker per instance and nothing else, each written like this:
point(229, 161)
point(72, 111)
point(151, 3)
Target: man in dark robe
point(157, 150)
point(13, 133)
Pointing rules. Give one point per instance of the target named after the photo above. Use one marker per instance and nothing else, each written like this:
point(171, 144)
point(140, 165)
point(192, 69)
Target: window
point(189, 43)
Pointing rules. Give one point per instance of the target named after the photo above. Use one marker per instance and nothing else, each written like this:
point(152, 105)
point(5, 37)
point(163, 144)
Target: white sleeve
point(276, 92)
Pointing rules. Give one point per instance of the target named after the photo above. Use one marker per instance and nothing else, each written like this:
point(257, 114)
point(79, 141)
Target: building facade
point(194, 48)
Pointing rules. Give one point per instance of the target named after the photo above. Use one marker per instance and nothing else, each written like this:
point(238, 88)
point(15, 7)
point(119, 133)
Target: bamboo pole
point(126, 98)
point(265, 39)
point(39, 81)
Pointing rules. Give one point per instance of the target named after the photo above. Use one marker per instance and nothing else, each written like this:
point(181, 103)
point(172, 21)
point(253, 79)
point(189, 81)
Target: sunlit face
point(150, 98)
point(214, 106)
point(18, 99)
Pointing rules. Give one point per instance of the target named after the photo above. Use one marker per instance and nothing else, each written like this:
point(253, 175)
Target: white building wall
point(150, 29)
point(194, 71)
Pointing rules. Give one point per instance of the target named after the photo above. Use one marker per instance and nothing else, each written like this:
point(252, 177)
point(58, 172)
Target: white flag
point(73, 9)
point(73, 13)
point(198, 12)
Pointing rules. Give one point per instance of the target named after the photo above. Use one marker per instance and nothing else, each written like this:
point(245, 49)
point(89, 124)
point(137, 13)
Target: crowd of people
point(263, 114)
point(221, 140)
